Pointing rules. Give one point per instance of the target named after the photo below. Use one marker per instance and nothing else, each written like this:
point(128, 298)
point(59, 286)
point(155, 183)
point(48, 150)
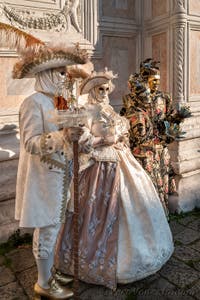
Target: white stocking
point(44, 270)
point(44, 240)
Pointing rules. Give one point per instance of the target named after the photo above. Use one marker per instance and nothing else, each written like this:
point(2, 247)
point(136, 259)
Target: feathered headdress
point(149, 68)
point(14, 38)
point(35, 55)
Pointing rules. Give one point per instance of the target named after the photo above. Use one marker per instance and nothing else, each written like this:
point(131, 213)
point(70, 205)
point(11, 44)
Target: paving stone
point(186, 253)
point(6, 230)
point(123, 291)
point(87, 291)
point(167, 284)
point(101, 293)
point(196, 245)
point(169, 291)
point(156, 294)
point(176, 227)
point(162, 284)
point(147, 281)
point(187, 236)
point(2, 260)
point(6, 276)
point(179, 273)
point(197, 265)
point(22, 259)
point(157, 290)
point(195, 225)
point(12, 291)
point(84, 286)
point(195, 290)
point(163, 289)
point(186, 220)
point(27, 280)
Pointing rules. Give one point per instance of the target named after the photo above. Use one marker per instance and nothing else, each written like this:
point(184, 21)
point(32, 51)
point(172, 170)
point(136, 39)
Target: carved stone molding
point(35, 4)
point(73, 21)
point(70, 15)
point(179, 63)
point(179, 33)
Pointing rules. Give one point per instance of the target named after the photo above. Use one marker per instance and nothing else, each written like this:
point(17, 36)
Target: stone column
point(185, 154)
point(179, 25)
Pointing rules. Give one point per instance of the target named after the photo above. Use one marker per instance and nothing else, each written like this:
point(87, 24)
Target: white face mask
point(101, 92)
point(48, 81)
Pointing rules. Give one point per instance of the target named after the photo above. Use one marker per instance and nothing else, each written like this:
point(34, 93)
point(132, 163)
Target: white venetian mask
point(101, 92)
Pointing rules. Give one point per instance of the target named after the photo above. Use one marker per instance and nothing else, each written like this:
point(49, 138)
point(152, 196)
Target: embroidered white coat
point(39, 191)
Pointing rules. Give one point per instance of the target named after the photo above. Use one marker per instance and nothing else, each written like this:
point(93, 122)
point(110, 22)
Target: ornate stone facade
point(120, 33)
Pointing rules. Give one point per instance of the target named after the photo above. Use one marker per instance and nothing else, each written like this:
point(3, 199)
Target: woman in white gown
point(124, 234)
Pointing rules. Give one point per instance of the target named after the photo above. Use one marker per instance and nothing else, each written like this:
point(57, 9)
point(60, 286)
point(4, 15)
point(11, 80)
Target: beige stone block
point(11, 91)
point(119, 55)
point(185, 150)
point(8, 170)
point(189, 165)
point(9, 116)
point(188, 193)
point(194, 104)
point(159, 8)
point(194, 61)
point(118, 9)
point(194, 6)
point(159, 52)
point(191, 127)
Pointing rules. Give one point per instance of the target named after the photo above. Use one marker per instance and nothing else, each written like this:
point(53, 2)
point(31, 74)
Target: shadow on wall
point(9, 141)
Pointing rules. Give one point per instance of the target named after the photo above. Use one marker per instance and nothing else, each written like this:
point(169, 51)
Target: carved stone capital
point(179, 6)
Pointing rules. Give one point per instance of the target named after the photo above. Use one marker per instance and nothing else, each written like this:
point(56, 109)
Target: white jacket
point(42, 180)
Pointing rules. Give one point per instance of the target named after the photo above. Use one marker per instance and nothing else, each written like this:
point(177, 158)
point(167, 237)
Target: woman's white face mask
point(101, 92)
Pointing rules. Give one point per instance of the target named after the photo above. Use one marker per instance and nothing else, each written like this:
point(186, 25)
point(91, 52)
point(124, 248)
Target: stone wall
point(11, 97)
point(119, 44)
point(9, 152)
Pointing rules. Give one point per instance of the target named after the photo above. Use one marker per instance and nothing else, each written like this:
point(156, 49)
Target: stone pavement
point(178, 279)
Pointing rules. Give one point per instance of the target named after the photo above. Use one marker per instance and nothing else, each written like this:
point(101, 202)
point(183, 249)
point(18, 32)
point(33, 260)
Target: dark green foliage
point(15, 240)
point(181, 215)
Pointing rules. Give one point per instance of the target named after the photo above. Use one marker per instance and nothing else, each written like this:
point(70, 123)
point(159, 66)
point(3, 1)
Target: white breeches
point(44, 240)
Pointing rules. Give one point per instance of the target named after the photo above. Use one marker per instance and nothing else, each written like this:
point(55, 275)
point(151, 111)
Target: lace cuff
point(51, 142)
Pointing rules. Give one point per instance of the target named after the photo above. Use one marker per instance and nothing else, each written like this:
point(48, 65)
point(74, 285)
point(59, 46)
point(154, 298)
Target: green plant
point(14, 241)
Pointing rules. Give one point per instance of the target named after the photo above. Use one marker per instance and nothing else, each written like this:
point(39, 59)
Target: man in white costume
point(44, 171)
